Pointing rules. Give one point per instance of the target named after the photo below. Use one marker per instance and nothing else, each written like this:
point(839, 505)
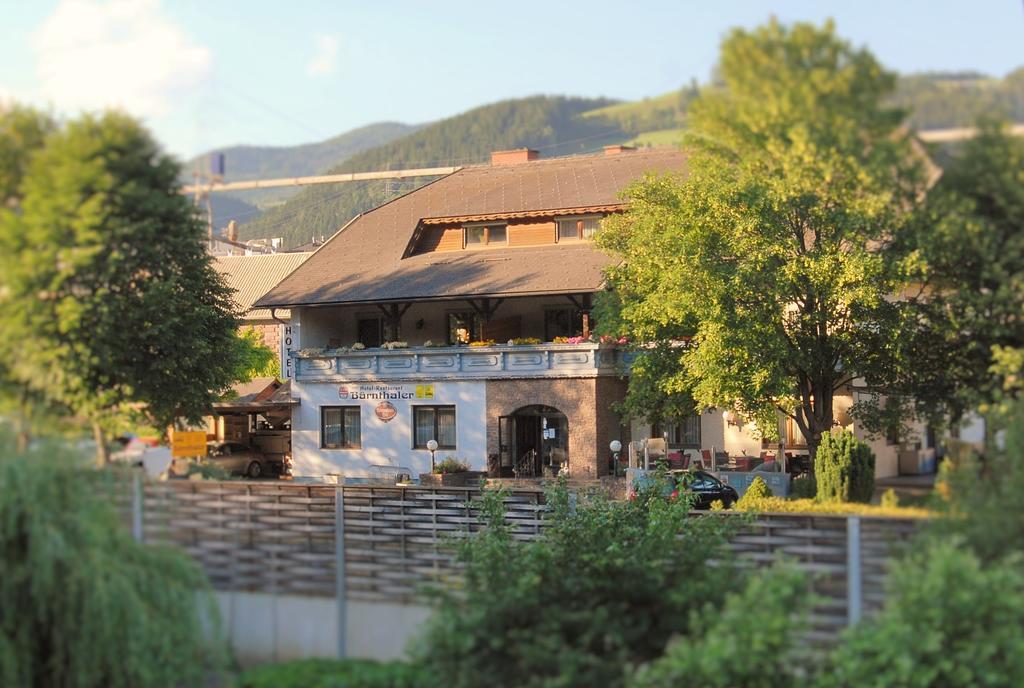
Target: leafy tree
point(81, 603)
point(748, 641)
point(22, 133)
point(254, 358)
point(971, 248)
point(762, 278)
point(949, 620)
point(108, 298)
point(606, 586)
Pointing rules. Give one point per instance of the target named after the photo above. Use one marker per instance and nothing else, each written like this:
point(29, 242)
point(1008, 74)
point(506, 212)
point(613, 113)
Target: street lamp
point(432, 446)
point(616, 447)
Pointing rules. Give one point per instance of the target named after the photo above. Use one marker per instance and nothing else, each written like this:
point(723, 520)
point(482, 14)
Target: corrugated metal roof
point(253, 276)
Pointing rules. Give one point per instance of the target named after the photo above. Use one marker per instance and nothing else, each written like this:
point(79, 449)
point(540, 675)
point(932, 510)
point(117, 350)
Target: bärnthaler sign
point(385, 392)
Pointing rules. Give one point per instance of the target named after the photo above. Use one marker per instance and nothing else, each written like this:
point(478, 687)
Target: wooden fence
point(289, 538)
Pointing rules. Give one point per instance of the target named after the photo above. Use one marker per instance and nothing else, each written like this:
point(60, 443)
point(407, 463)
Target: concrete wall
point(385, 443)
point(263, 628)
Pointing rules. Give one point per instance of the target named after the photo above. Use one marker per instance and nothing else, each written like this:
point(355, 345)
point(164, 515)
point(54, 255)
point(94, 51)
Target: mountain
point(559, 125)
point(244, 163)
point(550, 123)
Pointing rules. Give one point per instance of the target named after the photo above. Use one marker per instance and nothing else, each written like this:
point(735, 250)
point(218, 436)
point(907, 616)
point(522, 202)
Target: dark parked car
point(240, 459)
point(706, 488)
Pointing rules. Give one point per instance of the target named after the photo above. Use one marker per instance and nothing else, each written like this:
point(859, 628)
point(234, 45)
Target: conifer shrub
point(844, 468)
point(81, 603)
point(758, 490)
point(804, 487)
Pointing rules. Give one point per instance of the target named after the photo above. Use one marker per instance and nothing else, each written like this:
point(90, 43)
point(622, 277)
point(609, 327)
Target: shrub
point(83, 604)
point(606, 586)
point(524, 340)
point(758, 490)
point(748, 642)
point(330, 673)
point(890, 499)
point(811, 506)
point(483, 342)
point(949, 620)
point(451, 464)
point(804, 487)
point(845, 468)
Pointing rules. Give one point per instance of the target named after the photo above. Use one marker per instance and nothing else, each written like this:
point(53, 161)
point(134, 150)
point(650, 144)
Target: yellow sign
point(424, 391)
point(188, 443)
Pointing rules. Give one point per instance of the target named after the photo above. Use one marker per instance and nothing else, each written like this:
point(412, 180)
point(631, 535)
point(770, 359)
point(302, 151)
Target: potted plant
point(450, 472)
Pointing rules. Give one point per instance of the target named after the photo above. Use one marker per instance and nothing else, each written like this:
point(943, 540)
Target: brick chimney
point(513, 157)
point(617, 149)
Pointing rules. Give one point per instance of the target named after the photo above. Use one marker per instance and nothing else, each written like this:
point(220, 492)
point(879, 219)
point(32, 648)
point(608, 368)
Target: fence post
point(137, 506)
point(854, 583)
point(339, 570)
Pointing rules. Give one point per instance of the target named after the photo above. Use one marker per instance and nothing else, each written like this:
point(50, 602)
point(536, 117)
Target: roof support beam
point(485, 308)
point(584, 304)
point(393, 313)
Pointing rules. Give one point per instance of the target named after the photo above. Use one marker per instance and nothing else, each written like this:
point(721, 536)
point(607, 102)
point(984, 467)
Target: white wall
point(385, 444)
point(263, 628)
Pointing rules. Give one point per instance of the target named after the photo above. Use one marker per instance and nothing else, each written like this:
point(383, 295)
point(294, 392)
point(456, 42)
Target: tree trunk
point(102, 454)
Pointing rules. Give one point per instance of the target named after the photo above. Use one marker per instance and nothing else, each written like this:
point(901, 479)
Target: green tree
point(971, 244)
point(108, 298)
point(762, 279)
point(606, 586)
point(844, 468)
point(22, 133)
point(81, 603)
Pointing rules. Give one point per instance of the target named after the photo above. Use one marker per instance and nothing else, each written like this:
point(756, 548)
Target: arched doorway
point(533, 442)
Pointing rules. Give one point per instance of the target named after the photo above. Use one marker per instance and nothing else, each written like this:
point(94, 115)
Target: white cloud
point(325, 60)
point(120, 53)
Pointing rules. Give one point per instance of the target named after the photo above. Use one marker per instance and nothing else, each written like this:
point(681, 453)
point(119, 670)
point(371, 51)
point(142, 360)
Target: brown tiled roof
point(364, 261)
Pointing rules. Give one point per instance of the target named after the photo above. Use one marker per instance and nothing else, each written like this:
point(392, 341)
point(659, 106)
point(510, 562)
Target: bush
point(758, 490)
point(949, 620)
point(605, 587)
point(451, 465)
point(812, 506)
point(81, 603)
point(890, 499)
point(845, 468)
point(329, 673)
point(804, 487)
point(748, 642)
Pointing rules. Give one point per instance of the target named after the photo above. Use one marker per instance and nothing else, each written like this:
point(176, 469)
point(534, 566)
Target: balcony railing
point(463, 363)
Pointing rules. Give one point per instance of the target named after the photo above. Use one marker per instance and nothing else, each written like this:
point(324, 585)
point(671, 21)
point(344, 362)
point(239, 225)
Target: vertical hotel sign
point(289, 343)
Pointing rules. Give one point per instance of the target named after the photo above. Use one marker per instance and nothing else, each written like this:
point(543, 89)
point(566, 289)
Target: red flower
point(632, 496)
point(675, 495)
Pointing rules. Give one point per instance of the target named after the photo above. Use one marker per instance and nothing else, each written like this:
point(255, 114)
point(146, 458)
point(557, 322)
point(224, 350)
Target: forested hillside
point(562, 126)
point(549, 123)
point(267, 162)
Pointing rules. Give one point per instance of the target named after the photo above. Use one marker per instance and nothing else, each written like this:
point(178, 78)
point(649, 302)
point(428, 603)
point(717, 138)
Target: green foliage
point(937, 101)
point(758, 490)
point(764, 258)
point(330, 673)
point(451, 464)
point(971, 256)
point(551, 123)
point(208, 470)
point(984, 495)
point(748, 641)
point(845, 468)
point(781, 505)
point(606, 586)
point(22, 133)
point(804, 487)
point(254, 358)
point(103, 272)
point(889, 499)
point(81, 603)
point(949, 620)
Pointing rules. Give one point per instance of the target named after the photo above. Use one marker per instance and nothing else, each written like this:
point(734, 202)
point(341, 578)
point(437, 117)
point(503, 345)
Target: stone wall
point(269, 330)
point(584, 401)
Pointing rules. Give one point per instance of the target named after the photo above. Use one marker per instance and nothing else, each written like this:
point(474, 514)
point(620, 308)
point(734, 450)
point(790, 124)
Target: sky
point(204, 74)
